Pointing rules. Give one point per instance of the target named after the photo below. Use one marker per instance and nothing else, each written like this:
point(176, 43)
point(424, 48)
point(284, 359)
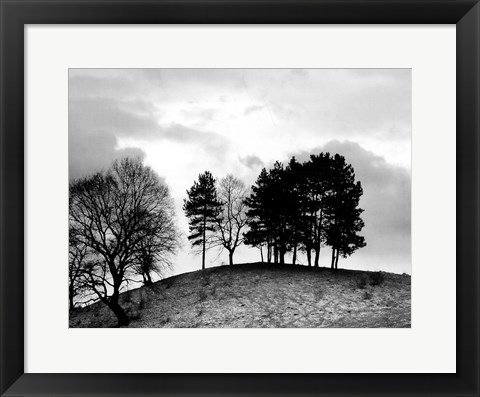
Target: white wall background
point(429, 346)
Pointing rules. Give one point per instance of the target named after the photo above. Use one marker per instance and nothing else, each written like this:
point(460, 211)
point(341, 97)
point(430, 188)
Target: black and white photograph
point(239, 198)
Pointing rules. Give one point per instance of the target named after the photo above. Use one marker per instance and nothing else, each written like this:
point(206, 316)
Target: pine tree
point(294, 186)
point(258, 213)
point(316, 185)
point(203, 209)
point(343, 214)
point(305, 206)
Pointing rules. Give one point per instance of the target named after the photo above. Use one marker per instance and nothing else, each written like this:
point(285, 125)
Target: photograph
point(239, 198)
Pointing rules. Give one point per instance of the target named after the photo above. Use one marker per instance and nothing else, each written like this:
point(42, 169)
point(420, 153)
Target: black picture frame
point(15, 14)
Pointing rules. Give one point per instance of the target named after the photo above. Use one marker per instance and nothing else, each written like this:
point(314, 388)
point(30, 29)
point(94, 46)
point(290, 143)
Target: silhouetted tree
point(154, 253)
point(269, 212)
point(115, 214)
point(294, 186)
point(232, 219)
point(305, 207)
point(279, 215)
point(76, 260)
point(317, 179)
point(343, 214)
point(203, 209)
point(259, 215)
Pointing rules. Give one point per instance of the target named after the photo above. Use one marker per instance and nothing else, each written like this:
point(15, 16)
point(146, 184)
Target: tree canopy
point(232, 193)
point(306, 206)
point(122, 225)
point(123, 218)
point(203, 209)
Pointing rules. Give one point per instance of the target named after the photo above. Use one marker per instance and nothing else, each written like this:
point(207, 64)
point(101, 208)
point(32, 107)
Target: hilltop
point(263, 295)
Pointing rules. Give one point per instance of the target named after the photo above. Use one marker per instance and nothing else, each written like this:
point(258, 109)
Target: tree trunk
point(204, 242)
point(294, 259)
point(122, 318)
point(70, 297)
point(148, 280)
point(309, 256)
point(261, 253)
point(333, 258)
point(317, 256)
point(336, 260)
point(269, 252)
point(230, 257)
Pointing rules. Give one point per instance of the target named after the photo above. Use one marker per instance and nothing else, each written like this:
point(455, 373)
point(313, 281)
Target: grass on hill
point(263, 295)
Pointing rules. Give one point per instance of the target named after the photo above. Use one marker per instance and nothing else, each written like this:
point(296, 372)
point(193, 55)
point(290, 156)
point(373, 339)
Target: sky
point(182, 122)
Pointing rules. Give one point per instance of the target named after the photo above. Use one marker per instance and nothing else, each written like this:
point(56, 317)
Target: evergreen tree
point(294, 186)
point(258, 215)
point(279, 207)
point(269, 213)
point(203, 209)
point(305, 207)
point(317, 177)
point(343, 214)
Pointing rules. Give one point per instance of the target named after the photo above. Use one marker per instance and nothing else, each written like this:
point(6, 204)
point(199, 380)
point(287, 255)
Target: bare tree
point(115, 215)
point(77, 254)
point(232, 194)
point(154, 257)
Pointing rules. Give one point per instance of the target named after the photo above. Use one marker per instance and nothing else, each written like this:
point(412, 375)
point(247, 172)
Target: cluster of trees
point(217, 214)
point(304, 207)
point(121, 227)
point(300, 207)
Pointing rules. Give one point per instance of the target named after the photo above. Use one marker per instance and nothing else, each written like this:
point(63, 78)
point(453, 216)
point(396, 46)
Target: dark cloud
point(101, 85)
point(96, 124)
point(121, 118)
point(387, 204)
point(253, 162)
point(203, 111)
point(94, 152)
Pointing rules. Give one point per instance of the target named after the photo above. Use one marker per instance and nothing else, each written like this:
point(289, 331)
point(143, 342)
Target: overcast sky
point(185, 121)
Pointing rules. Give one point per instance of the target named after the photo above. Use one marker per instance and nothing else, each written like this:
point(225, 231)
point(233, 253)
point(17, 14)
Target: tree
point(270, 209)
point(259, 213)
point(116, 214)
point(203, 209)
point(154, 253)
point(343, 214)
point(232, 194)
point(305, 207)
point(294, 185)
point(317, 177)
point(77, 254)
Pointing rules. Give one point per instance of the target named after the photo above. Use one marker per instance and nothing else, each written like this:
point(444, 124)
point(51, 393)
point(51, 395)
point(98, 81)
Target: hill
point(263, 295)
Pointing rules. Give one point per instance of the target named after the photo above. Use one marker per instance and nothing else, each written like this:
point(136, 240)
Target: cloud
point(94, 152)
point(211, 142)
point(253, 162)
point(98, 124)
point(200, 113)
point(119, 117)
point(387, 204)
point(215, 119)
